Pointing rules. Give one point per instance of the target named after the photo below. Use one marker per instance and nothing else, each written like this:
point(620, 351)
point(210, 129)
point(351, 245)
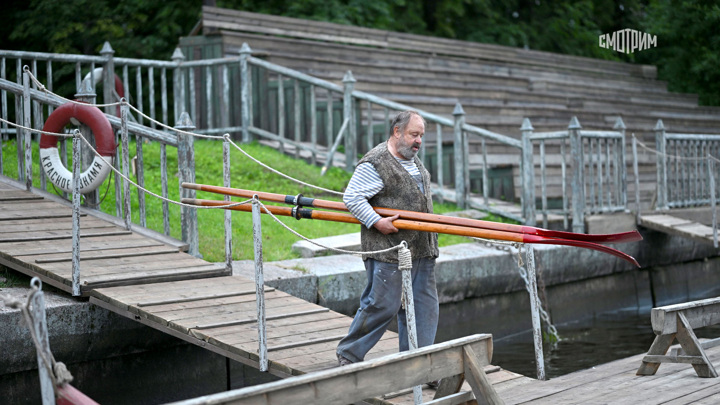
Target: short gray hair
point(402, 119)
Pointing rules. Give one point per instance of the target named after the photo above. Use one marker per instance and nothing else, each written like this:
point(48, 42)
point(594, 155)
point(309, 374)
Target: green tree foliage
point(688, 51)
point(134, 28)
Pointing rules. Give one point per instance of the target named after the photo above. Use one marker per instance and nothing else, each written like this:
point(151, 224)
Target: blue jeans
point(380, 302)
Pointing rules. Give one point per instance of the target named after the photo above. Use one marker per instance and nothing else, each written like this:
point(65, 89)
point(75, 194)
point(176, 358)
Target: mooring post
point(26, 132)
point(39, 326)
point(126, 159)
point(259, 284)
point(228, 217)
point(186, 170)
point(407, 293)
point(535, 311)
point(245, 52)
point(348, 114)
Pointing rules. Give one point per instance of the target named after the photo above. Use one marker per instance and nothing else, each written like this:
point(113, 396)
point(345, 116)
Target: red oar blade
point(622, 237)
point(582, 244)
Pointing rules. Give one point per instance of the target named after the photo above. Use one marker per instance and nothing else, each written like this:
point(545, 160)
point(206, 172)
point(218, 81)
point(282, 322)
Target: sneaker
point(434, 384)
point(342, 361)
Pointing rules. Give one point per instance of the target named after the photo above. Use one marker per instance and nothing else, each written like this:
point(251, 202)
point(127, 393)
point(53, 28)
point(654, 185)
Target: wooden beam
point(349, 384)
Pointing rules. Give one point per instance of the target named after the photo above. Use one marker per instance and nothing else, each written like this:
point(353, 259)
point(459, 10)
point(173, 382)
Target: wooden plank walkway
point(616, 383)
point(678, 226)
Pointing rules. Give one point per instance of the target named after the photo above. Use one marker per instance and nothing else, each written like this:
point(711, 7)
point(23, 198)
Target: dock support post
point(409, 301)
point(578, 176)
point(39, 326)
point(348, 115)
point(77, 169)
point(259, 284)
point(460, 150)
point(528, 174)
point(186, 170)
point(535, 312)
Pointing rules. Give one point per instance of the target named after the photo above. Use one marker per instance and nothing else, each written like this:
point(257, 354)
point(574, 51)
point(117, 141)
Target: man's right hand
point(385, 225)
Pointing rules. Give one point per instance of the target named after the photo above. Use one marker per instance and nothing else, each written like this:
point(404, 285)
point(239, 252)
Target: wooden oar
point(308, 213)
point(632, 236)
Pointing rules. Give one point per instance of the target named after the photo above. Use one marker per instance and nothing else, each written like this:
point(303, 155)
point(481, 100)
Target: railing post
point(462, 171)
point(662, 191)
point(86, 94)
point(27, 123)
point(77, 170)
point(125, 139)
point(578, 179)
point(39, 326)
point(528, 174)
point(636, 174)
point(228, 217)
point(178, 84)
point(245, 95)
point(620, 127)
point(535, 311)
point(108, 76)
point(259, 284)
point(711, 179)
point(348, 114)
point(186, 170)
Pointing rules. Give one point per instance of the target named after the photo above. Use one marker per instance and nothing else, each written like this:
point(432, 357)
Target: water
point(583, 345)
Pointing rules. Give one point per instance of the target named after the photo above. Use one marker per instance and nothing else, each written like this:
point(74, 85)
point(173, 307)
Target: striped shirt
point(365, 183)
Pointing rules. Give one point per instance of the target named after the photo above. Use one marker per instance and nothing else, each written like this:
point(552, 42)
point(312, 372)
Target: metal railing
point(682, 166)
point(598, 178)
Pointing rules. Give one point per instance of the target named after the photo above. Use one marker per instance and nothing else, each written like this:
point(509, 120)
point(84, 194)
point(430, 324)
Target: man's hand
point(385, 225)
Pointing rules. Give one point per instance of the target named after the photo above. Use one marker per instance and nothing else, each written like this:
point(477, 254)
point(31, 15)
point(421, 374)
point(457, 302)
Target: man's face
point(409, 142)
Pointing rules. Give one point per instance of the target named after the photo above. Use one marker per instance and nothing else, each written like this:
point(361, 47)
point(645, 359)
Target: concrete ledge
point(349, 241)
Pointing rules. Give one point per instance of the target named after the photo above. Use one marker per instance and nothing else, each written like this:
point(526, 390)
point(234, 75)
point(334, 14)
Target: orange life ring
point(98, 171)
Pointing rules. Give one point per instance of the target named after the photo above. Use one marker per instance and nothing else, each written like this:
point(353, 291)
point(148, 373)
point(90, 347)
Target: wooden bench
point(457, 359)
point(678, 321)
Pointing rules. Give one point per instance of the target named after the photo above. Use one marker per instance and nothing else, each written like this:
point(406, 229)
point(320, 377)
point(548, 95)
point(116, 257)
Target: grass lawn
point(245, 174)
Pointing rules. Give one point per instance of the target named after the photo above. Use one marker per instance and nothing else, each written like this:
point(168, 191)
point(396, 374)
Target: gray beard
point(407, 152)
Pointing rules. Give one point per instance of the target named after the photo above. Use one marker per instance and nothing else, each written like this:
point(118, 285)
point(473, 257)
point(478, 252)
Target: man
point(391, 176)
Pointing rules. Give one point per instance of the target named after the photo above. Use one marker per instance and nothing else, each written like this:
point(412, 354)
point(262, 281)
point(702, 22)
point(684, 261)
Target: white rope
point(667, 155)
point(150, 192)
point(351, 252)
point(42, 88)
point(227, 137)
point(195, 134)
point(37, 131)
